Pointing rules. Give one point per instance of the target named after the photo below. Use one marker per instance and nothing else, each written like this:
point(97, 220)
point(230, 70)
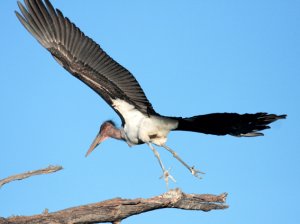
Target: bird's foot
point(195, 172)
point(166, 175)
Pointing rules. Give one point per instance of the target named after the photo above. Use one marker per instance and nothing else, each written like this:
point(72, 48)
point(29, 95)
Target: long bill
point(99, 138)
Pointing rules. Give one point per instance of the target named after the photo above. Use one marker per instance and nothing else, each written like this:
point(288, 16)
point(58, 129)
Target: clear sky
point(190, 57)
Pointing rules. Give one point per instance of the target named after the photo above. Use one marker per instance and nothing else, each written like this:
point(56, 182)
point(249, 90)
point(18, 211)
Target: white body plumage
point(141, 128)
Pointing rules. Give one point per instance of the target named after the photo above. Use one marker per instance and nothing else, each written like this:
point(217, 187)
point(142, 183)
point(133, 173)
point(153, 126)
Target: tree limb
point(49, 169)
point(115, 210)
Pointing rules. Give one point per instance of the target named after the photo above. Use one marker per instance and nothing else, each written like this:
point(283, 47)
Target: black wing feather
point(81, 56)
point(247, 125)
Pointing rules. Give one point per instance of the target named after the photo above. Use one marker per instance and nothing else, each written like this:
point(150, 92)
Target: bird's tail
point(248, 125)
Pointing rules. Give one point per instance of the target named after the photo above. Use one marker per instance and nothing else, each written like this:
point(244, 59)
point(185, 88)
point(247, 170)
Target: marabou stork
point(86, 60)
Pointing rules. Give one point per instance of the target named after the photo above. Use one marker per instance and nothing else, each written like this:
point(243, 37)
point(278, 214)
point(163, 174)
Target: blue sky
point(190, 57)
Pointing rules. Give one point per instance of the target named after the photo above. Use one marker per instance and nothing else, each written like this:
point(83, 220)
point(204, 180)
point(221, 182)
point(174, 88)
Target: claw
point(166, 175)
point(195, 172)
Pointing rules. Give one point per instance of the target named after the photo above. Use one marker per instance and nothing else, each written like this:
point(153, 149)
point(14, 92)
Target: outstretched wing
point(81, 56)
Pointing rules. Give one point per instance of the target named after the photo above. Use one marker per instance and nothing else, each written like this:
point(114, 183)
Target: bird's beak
point(99, 138)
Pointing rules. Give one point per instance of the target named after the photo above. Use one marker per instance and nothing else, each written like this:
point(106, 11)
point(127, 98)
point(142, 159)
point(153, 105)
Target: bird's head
point(107, 129)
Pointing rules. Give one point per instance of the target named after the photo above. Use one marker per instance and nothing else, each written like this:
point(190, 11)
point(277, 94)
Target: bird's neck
point(117, 134)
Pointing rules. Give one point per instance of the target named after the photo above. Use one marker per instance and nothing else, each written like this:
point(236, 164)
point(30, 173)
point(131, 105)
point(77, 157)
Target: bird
point(141, 124)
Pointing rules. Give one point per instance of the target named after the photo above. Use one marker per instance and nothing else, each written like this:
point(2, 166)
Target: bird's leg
point(190, 168)
point(166, 173)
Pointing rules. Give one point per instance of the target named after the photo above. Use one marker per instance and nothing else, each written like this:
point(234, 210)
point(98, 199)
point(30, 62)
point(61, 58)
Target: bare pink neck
point(117, 134)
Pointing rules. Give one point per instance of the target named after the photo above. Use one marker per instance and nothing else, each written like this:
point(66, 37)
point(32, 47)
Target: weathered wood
point(115, 210)
point(49, 169)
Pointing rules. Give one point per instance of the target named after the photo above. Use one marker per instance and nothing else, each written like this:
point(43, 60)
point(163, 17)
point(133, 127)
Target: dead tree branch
point(115, 210)
point(49, 169)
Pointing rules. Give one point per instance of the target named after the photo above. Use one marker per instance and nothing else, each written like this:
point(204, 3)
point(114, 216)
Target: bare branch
point(115, 210)
point(49, 169)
